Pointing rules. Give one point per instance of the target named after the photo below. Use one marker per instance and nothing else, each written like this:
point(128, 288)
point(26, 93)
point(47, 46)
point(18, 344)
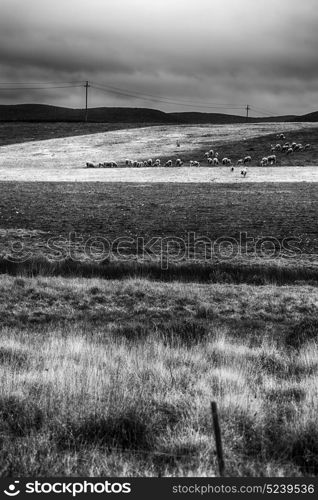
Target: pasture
point(64, 159)
point(33, 213)
point(114, 377)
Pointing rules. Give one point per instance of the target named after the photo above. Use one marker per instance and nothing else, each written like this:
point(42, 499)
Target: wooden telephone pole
point(86, 100)
point(247, 111)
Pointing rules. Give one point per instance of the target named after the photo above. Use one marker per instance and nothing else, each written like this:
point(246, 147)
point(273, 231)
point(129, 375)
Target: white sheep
point(169, 163)
point(90, 164)
point(226, 161)
point(272, 159)
point(264, 161)
point(247, 159)
point(128, 163)
point(239, 162)
point(210, 161)
point(215, 161)
point(278, 147)
point(196, 164)
point(211, 152)
point(149, 162)
point(206, 155)
point(290, 151)
point(179, 162)
point(308, 146)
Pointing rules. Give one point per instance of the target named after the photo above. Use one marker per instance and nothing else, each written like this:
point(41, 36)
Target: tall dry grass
point(123, 386)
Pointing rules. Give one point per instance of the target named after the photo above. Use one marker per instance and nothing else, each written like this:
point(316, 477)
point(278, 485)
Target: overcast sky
point(207, 52)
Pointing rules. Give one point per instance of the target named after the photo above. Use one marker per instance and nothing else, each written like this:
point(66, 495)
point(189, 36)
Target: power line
point(165, 101)
point(263, 112)
point(181, 101)
point(42, 83)
point(41, 88)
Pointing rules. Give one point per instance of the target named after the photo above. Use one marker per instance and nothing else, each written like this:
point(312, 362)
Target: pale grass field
point(116, 378)
point(63, 159)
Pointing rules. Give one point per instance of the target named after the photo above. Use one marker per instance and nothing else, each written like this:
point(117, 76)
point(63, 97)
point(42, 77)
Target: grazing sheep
point(278, 147)
point(239, 162)
point(149, 162)
point(169, 163)
point(272, 159)
point(308, 146)
point(134, 163)
point(90, 164)
point(211, 152)
point(264, 161)
point(196, 164)
point(290, 151)
point(179, 162)
point(247, 159)
point(215, 161)
point(226, 161)
point(129, 163)
point(146, 164)
point(281, 136)
point(210, 161)
point(206, 155)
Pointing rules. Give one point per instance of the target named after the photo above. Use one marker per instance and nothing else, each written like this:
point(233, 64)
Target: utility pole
point(247, 110)
point(86, 100)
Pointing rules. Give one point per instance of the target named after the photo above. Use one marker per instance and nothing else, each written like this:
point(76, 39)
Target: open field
point(64, 159)
point(33, 213)
point(20, 132)
point(116, 378)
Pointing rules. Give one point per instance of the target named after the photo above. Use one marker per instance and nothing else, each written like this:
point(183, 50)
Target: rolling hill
point(47, 113)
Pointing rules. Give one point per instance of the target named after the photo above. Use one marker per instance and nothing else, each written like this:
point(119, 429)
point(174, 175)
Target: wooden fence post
point(217, 435)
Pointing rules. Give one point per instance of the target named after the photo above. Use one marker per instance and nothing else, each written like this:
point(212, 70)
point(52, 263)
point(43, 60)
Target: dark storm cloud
point(223, 51)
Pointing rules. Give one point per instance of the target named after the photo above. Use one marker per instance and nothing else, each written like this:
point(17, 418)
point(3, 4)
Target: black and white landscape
point(158, 237)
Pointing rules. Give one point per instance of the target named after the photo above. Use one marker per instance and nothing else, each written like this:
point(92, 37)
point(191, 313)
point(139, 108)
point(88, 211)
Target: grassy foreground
point(116, 377)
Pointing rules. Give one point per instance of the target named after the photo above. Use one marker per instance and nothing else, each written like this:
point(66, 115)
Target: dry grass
point(63, 159)
point(116, 378)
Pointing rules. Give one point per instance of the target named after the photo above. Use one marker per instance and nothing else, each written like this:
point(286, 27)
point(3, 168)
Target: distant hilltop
point(46, 113)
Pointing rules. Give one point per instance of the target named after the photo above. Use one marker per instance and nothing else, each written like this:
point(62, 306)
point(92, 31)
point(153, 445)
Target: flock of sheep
point(212, 158)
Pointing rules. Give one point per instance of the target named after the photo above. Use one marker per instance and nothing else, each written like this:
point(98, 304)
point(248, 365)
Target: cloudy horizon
point(177, 55)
